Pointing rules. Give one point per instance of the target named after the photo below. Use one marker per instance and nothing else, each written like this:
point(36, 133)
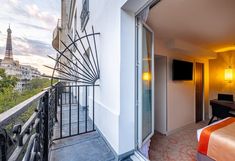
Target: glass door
point(145, 83)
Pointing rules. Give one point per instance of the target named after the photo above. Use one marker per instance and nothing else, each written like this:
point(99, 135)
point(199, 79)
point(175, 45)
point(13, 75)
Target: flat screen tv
point(182, 70)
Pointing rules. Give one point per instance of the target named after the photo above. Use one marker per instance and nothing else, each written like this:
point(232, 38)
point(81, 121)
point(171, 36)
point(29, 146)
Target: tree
point(10, 97)
point(39, 83)
point(6, 81)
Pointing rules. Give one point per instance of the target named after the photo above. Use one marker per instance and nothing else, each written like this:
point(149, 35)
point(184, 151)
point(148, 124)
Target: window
point(84, 14)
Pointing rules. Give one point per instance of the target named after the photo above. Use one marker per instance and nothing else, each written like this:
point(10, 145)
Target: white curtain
point(143, 16)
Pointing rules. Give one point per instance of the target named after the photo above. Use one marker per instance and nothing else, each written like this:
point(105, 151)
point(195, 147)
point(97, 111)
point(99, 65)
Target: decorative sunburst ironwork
point(78, 62)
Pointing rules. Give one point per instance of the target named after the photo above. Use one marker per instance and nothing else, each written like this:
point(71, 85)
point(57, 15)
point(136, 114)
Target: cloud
point(26, 46)
point(2, 50)
point(17, 8)
point(33, 26)
point(15, 2)
point(47, 18)
point(32, 9)
point(14, 8)
point(37, 62)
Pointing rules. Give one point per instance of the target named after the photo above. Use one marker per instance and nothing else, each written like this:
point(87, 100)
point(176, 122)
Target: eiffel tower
point(8, 53)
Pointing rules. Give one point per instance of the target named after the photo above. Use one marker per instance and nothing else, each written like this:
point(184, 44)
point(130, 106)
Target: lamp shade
point(228, 74)
point(147, 76)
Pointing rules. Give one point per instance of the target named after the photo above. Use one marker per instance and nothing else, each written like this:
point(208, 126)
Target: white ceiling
point(208, 24)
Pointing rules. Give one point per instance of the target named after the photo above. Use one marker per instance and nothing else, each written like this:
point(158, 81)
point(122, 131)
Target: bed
point(217, 141)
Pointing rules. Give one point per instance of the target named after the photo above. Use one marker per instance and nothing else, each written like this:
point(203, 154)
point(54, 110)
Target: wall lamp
point(228, 74)
point(146, 76)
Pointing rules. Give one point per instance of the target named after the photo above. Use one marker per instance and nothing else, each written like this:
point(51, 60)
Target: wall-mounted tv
point(182, 70)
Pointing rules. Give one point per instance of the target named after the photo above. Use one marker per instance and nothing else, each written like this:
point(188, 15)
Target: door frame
point(203, 92)
point(135, 14)
point(166, 68)
point(142, 25)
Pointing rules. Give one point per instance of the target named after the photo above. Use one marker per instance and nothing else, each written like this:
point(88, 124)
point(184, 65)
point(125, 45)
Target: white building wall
point(127, 83)
point(105, 16)
point(115, 97)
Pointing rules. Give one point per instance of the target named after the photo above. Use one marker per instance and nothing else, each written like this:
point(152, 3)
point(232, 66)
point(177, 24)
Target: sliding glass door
point(145, 83)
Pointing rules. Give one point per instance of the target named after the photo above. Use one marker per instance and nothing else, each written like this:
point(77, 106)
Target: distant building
point(12, 67)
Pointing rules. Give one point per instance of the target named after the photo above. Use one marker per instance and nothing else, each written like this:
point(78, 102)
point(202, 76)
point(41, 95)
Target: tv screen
point(182, 70)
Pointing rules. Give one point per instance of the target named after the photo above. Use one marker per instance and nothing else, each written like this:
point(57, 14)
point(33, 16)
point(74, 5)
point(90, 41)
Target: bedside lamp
point(228, 74)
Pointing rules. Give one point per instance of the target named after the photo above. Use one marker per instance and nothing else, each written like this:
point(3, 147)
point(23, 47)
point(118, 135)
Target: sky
point(32, 23)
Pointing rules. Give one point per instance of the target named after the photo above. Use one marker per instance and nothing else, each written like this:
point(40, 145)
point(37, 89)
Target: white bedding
point(199, 131)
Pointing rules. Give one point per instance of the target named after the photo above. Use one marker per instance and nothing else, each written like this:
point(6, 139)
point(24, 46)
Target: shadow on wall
point(217, 82)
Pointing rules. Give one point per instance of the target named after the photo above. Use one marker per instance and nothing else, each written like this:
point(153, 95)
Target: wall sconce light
point(228, 74)
point(146, 76)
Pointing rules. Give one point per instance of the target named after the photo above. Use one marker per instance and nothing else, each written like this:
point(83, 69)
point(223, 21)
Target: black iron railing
point(58, 112)
point(75, 110)
point(31, 139)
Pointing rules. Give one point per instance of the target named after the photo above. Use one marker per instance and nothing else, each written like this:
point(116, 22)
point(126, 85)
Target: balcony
point(60, 128)
point(56, 35)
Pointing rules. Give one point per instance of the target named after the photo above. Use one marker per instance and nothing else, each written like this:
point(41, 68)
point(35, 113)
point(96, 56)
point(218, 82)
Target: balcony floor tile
point(86, 147)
